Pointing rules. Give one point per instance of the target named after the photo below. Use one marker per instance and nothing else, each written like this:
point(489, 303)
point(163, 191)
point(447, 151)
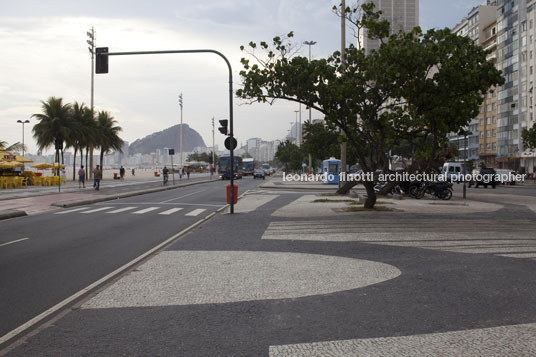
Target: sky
point(44, 53)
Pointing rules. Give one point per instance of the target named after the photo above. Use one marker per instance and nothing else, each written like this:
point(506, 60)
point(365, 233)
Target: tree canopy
point(416, 85)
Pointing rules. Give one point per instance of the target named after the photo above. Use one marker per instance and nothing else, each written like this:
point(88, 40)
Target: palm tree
point(79, 132)
point(55, 123)
point(13, 147)
point(108, 137)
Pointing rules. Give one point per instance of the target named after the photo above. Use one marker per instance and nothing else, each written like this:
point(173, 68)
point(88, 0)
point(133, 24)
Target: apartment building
point(402, 14)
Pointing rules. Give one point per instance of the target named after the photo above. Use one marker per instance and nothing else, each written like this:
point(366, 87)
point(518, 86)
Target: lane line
point(14, 241)
point(176, 198)
point(72, 210)
point(169, 204)
point(122, 209)
point(74, 297)
point(145, 210)
point(97, 210)
point(171, 211)
point(195, 212)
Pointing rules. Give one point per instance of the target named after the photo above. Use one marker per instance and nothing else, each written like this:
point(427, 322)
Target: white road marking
point(145, 210)
point(195, 212)
point(97, 210)
point(14, 241)
point(176, 198)
point(72, 210)
point(171, 211)
point(122, 209)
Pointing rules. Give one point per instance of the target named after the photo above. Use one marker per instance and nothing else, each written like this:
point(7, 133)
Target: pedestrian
point(82, 177)
point(211, 171)
point(97, 176)
point(165, 173)
point(181, 172)
point(122, 172)
point(63, 177)
point(133, 173)
point(188, 172)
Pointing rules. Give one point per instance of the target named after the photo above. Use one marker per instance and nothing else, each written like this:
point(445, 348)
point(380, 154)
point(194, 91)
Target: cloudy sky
point(44, 53)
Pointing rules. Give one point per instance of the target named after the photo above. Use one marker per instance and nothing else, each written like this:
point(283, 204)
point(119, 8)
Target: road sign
point(228, 142)
point(172, 151)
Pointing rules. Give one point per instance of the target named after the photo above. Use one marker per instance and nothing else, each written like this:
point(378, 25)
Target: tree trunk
point(91, 162)
point(348, 185)
point(371, 195)
point(74, 163)
point(101, 162)
point(87, 167)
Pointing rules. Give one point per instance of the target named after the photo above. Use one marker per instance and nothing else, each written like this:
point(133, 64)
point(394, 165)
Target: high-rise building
point(402, 14)
point(479, 26)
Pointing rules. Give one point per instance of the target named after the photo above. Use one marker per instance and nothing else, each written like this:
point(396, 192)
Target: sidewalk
point(36, 199)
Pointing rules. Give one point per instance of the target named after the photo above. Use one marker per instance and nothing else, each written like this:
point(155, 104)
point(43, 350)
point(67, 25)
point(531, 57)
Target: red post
point(235, 194)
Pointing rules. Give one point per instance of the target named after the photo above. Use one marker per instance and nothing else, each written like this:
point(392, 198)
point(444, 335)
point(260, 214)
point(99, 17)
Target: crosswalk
point(506, 239)
point(162, 211)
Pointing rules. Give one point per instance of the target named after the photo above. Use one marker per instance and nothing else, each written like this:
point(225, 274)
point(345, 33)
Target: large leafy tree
point(323, 142)
point(108, 135)
point(415, 85)
point(290, 155)
point(529, 137)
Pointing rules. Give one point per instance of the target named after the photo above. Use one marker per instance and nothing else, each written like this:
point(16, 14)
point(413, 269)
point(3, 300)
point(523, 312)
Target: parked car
point(487, 177)
point(258, 173)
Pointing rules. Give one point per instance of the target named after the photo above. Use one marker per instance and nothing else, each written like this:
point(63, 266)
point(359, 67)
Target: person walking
point(97, 176)
point(122, 172)
point(82, 177)
point(165, 173)
point(181, 172)
point(133, 172)
point(188, 172)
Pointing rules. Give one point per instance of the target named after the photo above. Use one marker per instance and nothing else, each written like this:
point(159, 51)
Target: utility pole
point(296, 126)
point(343, 66)
point(310, 43)
point(92, 43)
point(180, 134)
point(213, 150)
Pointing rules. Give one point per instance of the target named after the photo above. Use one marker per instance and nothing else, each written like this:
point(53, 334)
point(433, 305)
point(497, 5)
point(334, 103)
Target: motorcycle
point(441, 190)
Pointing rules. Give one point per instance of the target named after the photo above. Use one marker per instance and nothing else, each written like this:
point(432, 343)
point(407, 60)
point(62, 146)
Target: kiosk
point(330, 171)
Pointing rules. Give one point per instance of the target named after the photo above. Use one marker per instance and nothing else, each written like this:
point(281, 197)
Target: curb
point(12, 214)
point(73, 203)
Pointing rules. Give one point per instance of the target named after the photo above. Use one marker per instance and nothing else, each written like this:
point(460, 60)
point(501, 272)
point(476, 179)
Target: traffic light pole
point(231, 135)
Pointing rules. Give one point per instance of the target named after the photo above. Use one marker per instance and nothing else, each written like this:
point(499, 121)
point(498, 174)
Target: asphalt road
point(46, 258)
point(454, 278)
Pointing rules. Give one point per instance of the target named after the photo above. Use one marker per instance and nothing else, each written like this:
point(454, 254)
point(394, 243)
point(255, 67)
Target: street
point(66, 250)
point(286, 276)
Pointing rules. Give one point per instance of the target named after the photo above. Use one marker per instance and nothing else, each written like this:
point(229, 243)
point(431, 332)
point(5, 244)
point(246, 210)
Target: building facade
point(402, 14)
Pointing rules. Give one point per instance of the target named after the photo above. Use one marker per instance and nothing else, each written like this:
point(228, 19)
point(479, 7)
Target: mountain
point(168, 138)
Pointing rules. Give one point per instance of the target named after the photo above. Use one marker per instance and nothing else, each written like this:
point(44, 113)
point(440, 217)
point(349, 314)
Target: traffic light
point(101, 65)
point(223, 127)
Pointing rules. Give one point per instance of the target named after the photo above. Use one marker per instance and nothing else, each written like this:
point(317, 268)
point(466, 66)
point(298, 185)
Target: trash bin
point(235, 196)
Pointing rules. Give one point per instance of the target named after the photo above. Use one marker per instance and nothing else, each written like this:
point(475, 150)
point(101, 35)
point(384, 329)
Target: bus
point(248, 166)
point(224, 167)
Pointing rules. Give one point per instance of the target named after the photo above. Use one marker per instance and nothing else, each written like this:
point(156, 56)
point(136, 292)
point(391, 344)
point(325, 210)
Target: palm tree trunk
point(87, 167)
point(101, 161)
point(91, 162)
point(74, 163)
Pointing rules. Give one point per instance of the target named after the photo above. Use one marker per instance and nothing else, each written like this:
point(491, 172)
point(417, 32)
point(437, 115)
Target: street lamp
point(465, 133)
point(92, 43)
point(297, 135)
point(310, 43)
point(23, 122)
point(180, 133)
